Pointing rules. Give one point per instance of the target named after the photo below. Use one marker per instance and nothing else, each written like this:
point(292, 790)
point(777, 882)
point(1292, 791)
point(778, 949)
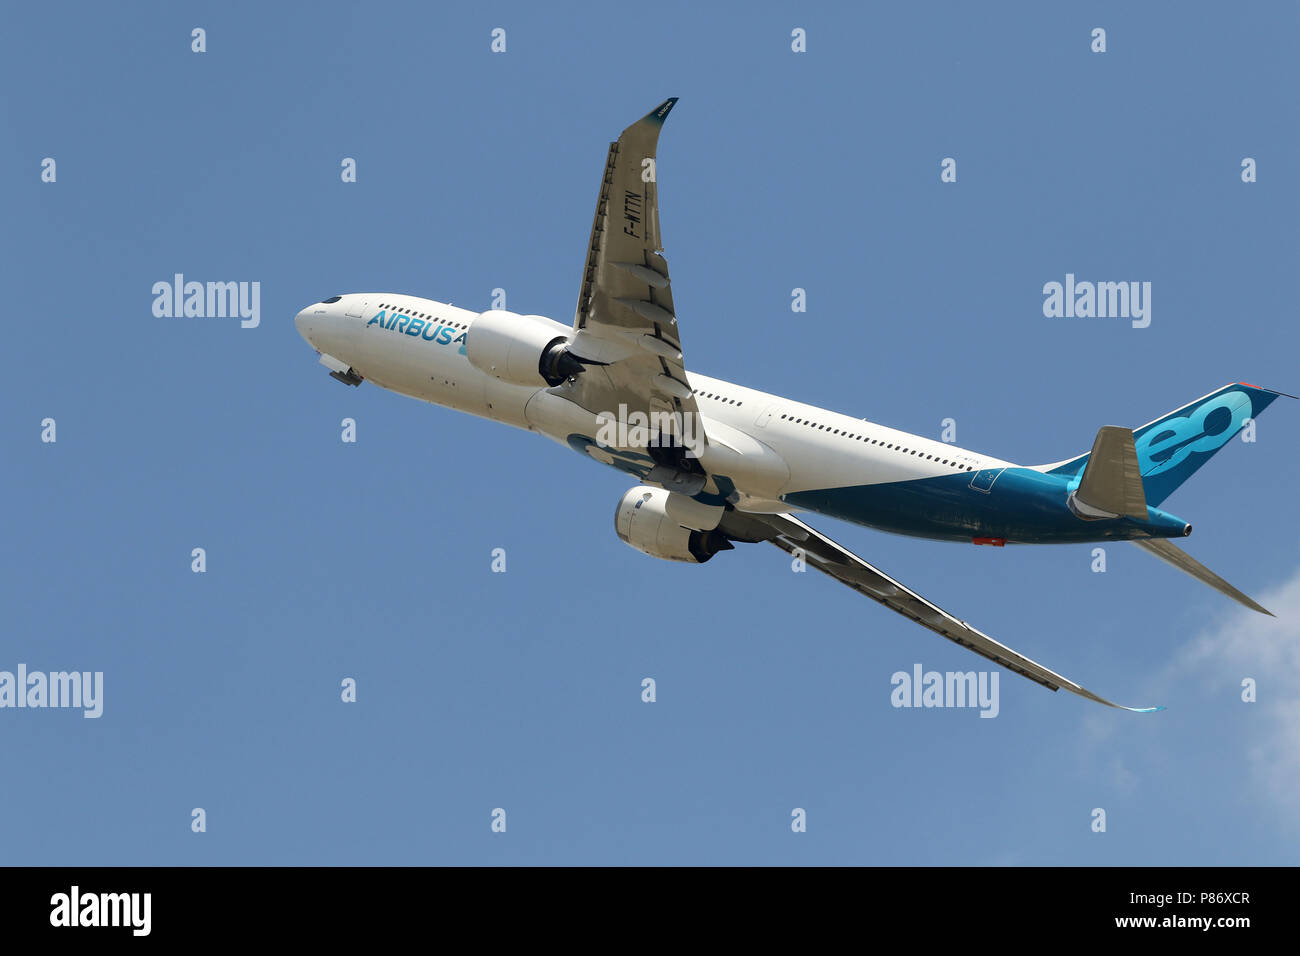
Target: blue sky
point(522, 690)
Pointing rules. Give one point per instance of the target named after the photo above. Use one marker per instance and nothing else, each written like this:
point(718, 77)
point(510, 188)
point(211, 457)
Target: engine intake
point(643, 520)
point(521, 349)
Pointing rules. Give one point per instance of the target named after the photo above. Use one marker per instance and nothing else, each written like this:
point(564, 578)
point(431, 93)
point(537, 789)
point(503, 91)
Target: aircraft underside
point(739, 461)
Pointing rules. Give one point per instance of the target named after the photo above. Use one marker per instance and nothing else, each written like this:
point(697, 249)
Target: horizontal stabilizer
point(1111, 485)
point(1163, 549)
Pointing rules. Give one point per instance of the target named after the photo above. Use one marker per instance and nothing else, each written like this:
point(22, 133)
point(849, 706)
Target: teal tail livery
point(1172, 448)
point(718, 466)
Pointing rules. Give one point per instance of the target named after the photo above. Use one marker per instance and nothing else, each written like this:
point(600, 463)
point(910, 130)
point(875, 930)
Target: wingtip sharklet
point(1110, 703)
point(660, 112)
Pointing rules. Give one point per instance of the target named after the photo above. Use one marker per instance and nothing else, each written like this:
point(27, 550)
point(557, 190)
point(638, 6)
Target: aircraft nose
point(302, 322)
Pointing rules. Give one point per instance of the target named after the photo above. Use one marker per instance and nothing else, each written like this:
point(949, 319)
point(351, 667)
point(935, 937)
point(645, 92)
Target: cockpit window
point(333, 298)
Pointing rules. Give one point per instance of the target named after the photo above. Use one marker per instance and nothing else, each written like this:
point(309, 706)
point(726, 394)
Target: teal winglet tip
point(660, 112)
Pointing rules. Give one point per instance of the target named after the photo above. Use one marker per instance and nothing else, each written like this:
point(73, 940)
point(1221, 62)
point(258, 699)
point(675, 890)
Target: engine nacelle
point(645, 521)
point(521, 349)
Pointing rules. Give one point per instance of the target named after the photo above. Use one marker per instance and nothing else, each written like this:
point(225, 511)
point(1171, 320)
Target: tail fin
point(1171, 448)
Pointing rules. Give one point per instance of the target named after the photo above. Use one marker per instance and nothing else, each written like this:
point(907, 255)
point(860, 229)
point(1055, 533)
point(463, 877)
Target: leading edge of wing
point(790, 534)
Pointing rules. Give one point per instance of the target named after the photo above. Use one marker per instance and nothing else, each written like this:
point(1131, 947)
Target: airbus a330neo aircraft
point(719, 463)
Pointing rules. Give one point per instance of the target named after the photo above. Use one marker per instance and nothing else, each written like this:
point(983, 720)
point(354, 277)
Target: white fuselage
point(771, 446)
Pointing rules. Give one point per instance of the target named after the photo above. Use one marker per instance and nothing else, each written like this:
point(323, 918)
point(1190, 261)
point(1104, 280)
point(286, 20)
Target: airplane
point(719, 464)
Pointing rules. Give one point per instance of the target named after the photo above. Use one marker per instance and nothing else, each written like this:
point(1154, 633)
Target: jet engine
point(521, 349)
point(650, 520)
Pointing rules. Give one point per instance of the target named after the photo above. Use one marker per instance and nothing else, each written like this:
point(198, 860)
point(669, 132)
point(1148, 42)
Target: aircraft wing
point(792, 535)
point(625, 327)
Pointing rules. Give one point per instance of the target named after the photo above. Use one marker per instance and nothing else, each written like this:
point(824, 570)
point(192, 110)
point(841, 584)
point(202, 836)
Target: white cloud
point(1244, 644)
point(1252, 748)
